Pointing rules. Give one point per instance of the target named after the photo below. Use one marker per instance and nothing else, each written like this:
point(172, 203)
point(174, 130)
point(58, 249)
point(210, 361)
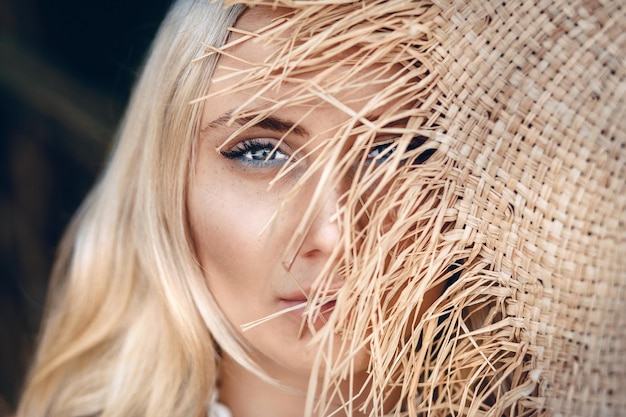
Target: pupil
point(261, 154)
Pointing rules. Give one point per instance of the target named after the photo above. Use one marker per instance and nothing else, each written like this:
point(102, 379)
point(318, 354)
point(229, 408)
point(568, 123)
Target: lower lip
point(299, 312)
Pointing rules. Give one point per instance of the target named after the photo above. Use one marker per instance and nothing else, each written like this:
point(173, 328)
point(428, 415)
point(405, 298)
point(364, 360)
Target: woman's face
point(231, 206)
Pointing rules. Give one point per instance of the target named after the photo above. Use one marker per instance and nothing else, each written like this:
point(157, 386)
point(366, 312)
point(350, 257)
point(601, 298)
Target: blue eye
point(257, 151)
point(385, 150)
point(380, 153)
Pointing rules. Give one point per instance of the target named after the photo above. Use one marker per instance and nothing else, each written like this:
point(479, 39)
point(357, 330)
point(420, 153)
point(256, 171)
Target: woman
point(327, 210)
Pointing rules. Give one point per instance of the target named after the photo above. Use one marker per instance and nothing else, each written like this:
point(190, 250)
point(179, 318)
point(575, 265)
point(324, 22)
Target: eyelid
point(254, 140)
point(384, 150)
point(388, 147)
point(239, 150)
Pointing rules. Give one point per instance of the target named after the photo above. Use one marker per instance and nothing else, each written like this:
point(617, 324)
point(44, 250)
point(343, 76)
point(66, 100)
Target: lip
point(297, 304)
point(302, 295)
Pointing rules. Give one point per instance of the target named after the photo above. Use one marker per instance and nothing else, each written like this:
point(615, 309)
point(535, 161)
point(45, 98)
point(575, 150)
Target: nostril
point(322, 238)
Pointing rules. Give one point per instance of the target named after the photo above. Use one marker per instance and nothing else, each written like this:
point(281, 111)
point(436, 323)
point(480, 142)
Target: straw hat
point(514, 197)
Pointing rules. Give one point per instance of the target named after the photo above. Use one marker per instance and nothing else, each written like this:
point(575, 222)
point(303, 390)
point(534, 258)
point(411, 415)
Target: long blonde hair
point(505, 184)
point(123, 334)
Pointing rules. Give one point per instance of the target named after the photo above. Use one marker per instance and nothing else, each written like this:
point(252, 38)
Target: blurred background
point(66, 70)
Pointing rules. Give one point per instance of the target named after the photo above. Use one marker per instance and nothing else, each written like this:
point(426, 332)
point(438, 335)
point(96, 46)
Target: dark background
point(66, 69)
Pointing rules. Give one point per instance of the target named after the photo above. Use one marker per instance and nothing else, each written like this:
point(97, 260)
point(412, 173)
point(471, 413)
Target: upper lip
point(305, 295)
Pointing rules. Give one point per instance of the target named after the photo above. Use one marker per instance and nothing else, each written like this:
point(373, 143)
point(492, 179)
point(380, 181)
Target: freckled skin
point(230, 206)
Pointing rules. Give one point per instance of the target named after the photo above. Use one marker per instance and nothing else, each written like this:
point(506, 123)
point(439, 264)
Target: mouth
point(328, 307)
point(299, 309)
point(300, 306)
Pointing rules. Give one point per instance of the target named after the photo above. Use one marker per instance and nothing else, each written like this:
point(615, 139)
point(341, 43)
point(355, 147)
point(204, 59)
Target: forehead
point(360, 65)
point(255, 70)
point(257, 17)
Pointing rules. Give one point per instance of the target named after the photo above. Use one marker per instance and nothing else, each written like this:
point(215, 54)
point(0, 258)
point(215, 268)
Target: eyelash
point(380, 153)
point(272, 155)
point(245, 151)
point(386, 149)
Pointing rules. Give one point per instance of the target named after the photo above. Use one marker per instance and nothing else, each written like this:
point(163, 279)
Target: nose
point(323, 235)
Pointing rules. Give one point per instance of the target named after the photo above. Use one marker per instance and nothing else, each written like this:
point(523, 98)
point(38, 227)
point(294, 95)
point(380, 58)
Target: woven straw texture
point(536, 93)
point(518, 202)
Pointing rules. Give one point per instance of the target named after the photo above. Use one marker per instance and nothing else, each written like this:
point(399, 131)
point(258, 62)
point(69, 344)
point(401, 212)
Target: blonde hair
point(513, 198)
point(123, 332)
point(515, 142)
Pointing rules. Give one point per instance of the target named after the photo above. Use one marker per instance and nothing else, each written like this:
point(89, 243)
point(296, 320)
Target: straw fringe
point(514, 203)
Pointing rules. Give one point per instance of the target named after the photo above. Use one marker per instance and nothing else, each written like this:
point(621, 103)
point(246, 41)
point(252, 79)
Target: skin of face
point(230, 206)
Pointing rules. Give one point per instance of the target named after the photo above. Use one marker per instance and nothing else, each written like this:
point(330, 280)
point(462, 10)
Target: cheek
point(227, 219)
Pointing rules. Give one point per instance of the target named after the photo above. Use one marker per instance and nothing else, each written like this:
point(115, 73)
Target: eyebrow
point(271, 123)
